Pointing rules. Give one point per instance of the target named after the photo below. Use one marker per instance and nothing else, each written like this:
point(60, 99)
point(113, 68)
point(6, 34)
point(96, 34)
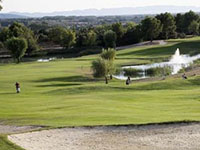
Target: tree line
point(161, 26)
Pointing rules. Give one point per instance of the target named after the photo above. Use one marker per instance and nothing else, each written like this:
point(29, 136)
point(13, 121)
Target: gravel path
point(147, 43)
point(151, 137)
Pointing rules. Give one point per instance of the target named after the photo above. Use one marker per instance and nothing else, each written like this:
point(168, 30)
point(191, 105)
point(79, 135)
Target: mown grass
point(63, 93)
point(149, 54)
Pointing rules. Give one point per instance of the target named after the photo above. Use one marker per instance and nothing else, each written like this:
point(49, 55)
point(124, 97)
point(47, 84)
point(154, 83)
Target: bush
point(90, 52)
point(99, 68)
point(118, 71)
point(181, 35)
point(132, 72)
point(159, 71)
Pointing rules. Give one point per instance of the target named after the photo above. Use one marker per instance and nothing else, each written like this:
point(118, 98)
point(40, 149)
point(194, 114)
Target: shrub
point(132, 72)
point(99, 68)
point(159, 71)
point(181, 35)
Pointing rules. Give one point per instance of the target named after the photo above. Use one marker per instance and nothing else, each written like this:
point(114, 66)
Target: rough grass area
point(63, 92)
point(6, 145)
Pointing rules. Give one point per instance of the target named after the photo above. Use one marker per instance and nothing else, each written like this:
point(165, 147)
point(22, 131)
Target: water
point(45, 60)
point(177, 62)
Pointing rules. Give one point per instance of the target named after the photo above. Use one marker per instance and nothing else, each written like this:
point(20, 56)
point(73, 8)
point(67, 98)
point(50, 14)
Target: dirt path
point(151, 137)
point(156, 42)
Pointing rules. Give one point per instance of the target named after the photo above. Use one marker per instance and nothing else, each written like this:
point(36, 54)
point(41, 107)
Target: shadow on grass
point(171, 85)
point(58, 85)
point(9, 93)
point(81, 90)
point(195, 81)
point(163, 85)
point(185, 48)
point(69, 79)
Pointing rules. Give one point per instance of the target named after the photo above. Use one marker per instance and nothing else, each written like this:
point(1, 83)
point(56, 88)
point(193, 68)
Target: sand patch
point(151, 137)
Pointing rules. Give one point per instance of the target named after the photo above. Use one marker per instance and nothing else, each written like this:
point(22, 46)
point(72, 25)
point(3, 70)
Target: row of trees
point(162, 26)
point(17, 33)
point(0, 5)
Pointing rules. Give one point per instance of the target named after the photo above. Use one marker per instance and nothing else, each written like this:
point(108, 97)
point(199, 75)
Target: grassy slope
point(62, 93)
point(6, 145)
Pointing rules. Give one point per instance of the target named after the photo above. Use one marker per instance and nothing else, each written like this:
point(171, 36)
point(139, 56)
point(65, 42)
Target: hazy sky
point(64, 5)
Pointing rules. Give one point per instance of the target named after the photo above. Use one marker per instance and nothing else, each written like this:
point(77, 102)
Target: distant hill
point(10, 16)
point(115, 11)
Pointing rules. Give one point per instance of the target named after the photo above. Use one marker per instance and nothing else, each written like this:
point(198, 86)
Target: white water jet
point(177, 58)
point(177, 62)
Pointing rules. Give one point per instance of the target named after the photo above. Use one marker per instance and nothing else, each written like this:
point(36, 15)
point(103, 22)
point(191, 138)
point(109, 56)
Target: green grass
point(63, 93)
point(6, 145)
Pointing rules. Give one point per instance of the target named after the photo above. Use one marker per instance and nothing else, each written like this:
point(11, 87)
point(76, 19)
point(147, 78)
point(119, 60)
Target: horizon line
point(99, 9)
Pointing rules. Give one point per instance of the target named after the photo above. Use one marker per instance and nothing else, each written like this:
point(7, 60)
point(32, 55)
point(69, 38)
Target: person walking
point(17, 85)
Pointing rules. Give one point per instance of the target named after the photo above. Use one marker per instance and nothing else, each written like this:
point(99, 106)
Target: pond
point(173, 66)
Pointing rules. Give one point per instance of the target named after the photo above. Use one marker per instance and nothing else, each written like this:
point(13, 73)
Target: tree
point(57, 34)
point(151, 28)
point(5, 34)
point(168, 24)
point(183, 21)
point(90, 39)
point(194, 28)
point(81, 37)
point(62, 36)
point(132, 34)
point(110, 39)
point(68, 39)
point(130, 26)
point(18, 47)
point(109, 55)
point(20, 31)
point(119, 30)
point(0, 5)
point(189, 17)
point(32, 45)
point(99, 68)
point(104, 66)
point(1, 46)
point(100, 31)
point(179, 23)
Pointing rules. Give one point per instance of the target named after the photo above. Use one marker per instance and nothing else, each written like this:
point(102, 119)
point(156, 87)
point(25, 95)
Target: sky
point(66, 5)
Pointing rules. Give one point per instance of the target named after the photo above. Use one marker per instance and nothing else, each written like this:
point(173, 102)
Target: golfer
point(17, 87)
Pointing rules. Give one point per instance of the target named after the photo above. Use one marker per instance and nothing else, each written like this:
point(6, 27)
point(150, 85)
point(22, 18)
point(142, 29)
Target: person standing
point(128, 81)
point(17, 85)
point(184, 76)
